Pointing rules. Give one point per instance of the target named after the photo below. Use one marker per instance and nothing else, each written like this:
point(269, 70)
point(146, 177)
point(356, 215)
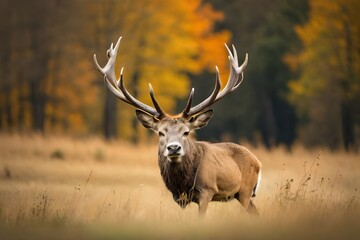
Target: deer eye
point(186, 134)
point(161, 134)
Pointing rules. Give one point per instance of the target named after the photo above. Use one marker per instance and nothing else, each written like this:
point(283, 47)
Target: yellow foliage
point(163, 42)
point(292, 61)
point(70, 90)
point(76, 121)
point(330, 38)
point(126, 114)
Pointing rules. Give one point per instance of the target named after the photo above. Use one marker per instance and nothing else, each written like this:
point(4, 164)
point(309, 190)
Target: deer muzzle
point(174, 151)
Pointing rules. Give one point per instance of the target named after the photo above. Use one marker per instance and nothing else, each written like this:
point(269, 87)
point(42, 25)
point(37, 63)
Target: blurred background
point(76, 164)
point(302, 84)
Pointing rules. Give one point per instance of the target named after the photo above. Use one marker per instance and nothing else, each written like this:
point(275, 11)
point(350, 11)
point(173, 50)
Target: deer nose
point(173, 148)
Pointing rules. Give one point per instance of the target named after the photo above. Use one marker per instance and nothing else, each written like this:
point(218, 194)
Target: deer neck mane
point(180, 178)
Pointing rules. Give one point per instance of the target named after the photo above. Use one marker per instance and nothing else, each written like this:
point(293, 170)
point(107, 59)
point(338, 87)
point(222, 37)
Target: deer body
point(194, 171)
point(211, 172)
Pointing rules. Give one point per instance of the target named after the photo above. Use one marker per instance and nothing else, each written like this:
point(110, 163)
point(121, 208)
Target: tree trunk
point(9, 121)
point(346, 115)
point(347, 125)
point(110, 116)
point(37, 99)
point(269, 130)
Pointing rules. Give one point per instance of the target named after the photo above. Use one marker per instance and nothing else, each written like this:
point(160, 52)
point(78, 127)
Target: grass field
point(65, 188)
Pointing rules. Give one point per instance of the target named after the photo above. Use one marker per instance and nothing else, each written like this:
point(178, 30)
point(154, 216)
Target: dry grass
point(87, 188)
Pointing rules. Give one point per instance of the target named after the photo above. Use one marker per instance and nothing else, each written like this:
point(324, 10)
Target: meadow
point(87, 188)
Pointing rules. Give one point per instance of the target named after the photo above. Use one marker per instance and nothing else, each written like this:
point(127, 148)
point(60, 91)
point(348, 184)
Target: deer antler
point(117, 86)
point(118, 89)
point(232, 84)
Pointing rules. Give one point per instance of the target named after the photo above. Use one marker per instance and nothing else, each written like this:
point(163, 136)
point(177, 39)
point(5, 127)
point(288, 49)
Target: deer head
point(173, 131)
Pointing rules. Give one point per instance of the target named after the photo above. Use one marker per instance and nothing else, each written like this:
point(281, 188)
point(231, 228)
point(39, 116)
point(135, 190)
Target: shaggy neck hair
point(180, 177)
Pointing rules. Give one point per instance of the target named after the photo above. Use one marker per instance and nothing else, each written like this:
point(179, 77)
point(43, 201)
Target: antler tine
point(233, 62)
point(189, 102)
point(117, 86)
point(110, 65)
point(233, 83)
point(114, 90)
point(156, 104)
point(136, 103)
point(235, 53)
point(207, 102)
point(242, 67)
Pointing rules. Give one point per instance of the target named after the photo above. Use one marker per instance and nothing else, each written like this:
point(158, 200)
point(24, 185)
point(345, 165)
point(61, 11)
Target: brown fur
point(202, 172)
point(179, 178)
point(226, 171)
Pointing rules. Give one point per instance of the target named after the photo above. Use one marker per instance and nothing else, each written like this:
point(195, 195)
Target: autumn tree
point(6, 27)
point(327, 92)
point(45, 84)
point(259, 112)
point(24, 62)
point(48, 83)
point(163, 42)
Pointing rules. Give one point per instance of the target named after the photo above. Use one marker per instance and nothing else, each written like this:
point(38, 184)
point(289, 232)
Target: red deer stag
point(194, 171)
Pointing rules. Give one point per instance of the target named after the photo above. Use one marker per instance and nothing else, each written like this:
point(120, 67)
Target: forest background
point(302, 84)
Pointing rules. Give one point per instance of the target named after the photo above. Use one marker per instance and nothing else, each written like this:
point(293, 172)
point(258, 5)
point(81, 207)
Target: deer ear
point(147, 120)
point(200, 120)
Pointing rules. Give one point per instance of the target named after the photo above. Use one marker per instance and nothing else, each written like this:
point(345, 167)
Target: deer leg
point(244, 199)
point(252, 209)
point(203, 202)
point(203, 207)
